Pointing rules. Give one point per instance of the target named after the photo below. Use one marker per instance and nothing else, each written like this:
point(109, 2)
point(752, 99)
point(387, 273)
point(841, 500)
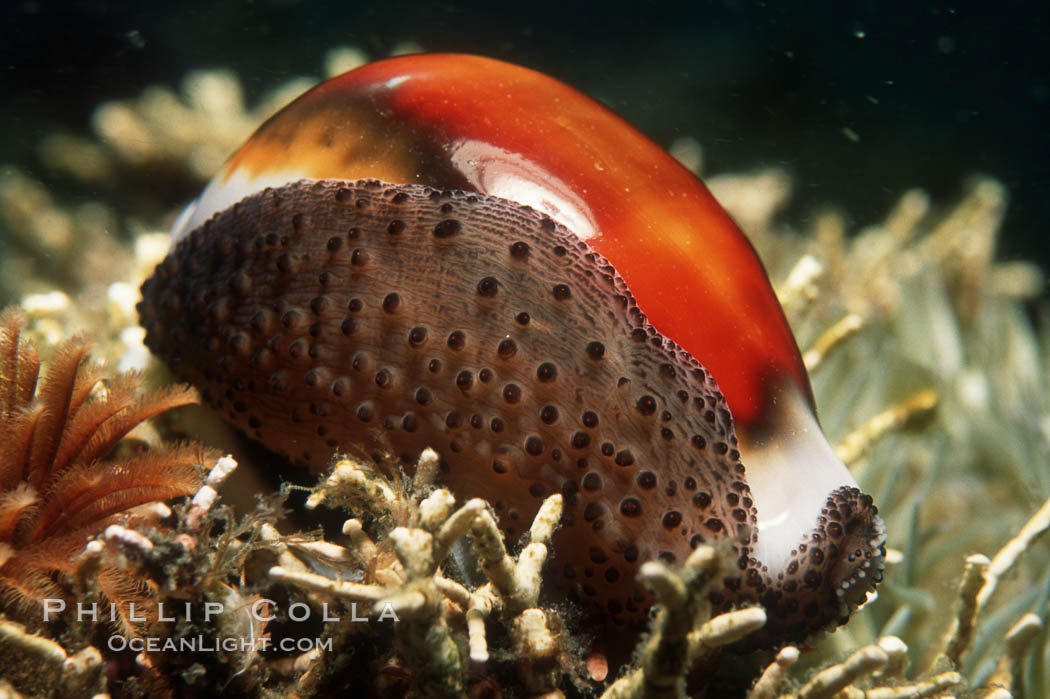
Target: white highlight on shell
point(501, 173)
point(395, 81)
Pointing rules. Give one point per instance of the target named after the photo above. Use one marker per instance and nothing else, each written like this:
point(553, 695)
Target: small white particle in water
point(135, 38)
point(850, 134)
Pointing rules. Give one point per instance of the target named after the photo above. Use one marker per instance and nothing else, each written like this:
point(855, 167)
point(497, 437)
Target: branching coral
point(682, 632)
point(428, 604)
point(44, 665)
point(49, 242)
point(58, 487)
point(188, 132)
point(444, 625)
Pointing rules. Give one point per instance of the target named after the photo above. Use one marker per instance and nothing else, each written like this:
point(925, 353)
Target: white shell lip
point(790, 479)
point(224, 191)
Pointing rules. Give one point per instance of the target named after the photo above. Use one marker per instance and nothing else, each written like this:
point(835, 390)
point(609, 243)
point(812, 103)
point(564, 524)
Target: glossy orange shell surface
point(466, 122)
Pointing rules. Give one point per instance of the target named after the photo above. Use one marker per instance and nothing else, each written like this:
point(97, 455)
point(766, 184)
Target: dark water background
point(935, 91)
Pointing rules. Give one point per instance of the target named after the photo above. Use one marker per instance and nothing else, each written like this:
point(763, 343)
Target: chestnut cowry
point(453, 252)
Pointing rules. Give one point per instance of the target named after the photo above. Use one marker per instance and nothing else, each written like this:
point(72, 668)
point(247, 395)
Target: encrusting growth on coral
point(57, 486)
